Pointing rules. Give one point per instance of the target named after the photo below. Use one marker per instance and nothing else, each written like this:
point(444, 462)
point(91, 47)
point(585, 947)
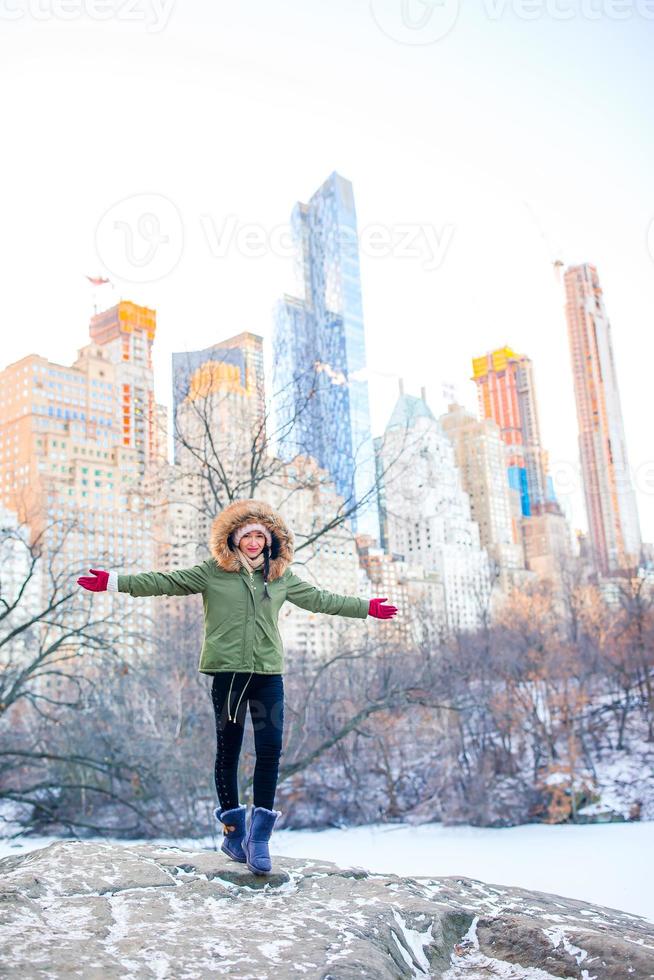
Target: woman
point(244, 585)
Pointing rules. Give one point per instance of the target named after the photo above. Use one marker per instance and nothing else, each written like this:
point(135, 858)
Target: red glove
point(377, 609)
point(96, 584)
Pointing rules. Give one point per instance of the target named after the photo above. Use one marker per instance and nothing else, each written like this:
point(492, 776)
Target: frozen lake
point(609, 864)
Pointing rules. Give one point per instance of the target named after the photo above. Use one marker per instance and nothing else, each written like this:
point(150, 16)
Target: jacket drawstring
point(239, 700)
point(229, 717)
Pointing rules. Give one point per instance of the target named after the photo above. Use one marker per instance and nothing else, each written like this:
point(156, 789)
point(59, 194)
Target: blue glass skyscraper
point(319, 386)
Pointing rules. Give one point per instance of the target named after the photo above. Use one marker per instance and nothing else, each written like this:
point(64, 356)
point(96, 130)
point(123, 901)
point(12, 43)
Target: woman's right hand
point(96, 584)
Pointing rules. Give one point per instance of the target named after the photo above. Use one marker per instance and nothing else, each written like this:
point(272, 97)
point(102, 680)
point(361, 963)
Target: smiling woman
point(244, 585)
point(251, 540)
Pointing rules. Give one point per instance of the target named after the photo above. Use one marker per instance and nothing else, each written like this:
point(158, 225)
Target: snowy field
point(609, 864)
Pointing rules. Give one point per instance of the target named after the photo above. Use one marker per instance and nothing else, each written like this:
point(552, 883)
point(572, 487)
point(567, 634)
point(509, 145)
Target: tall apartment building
point(481, 460)
point(507, 394)
point(547, 544)
point(418, 594)
point(610, 500)
point(321, 394)
point(75, 442)
point(232, 368)
point(428, 512)
point(125, 334)
point(219, 420)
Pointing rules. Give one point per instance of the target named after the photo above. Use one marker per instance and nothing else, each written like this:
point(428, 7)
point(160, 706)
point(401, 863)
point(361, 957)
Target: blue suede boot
point(233, 822)
point(255, 845)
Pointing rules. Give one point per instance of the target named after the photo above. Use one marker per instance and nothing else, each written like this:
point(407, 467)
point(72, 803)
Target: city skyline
point(104, 326)
point(115, 410)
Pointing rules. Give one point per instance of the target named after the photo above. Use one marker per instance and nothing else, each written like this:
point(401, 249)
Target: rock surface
point(89, 910)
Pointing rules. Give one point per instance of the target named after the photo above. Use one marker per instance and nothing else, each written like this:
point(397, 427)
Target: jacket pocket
point(221, 629)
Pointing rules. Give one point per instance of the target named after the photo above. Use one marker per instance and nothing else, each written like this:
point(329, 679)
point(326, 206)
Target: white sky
point(215, 116)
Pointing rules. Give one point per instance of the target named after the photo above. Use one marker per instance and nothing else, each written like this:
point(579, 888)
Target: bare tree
point(54, 644)
point(633, 649)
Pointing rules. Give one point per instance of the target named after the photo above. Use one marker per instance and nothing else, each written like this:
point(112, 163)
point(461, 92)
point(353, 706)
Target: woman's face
point(251, 544)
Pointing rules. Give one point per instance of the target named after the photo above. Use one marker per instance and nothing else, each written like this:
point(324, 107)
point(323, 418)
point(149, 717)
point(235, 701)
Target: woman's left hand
point(377, 609)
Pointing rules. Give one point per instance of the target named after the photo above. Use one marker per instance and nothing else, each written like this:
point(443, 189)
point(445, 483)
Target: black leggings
point(265, 694)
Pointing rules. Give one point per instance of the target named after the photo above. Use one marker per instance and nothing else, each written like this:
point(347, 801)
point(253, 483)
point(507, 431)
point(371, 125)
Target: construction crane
point(555, 259)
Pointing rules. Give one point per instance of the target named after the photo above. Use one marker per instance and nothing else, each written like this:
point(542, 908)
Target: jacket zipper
point(251, 574)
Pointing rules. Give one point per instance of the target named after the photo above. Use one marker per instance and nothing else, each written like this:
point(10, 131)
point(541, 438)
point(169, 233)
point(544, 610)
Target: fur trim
point(247, 512)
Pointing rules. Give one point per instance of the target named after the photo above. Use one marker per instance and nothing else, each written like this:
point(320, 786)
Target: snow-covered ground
point(609, 864)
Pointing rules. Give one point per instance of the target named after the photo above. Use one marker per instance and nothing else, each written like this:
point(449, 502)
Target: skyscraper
point(506, 392)
point(320, 394)
point(610, 499)
point(125, 333)
point(428, 518)
point(230, 367)
point(481, 460)
point(76, 443)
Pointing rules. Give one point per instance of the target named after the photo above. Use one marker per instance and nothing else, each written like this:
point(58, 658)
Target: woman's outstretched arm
point(309, 597)
point(182, 581)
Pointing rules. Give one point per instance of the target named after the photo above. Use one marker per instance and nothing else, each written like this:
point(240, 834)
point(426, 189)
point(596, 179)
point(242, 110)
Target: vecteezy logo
point(415, 21)
point(140, 239)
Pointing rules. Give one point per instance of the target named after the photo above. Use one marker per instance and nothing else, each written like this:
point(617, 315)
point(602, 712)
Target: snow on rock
point(474, 963)
point(89, 909)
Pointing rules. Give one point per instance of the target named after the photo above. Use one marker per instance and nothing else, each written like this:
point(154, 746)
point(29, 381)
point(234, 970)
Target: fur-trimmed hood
point(248, 512)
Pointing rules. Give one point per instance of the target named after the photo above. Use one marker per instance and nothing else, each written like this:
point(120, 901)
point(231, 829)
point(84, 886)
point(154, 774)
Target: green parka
point(240, 625)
